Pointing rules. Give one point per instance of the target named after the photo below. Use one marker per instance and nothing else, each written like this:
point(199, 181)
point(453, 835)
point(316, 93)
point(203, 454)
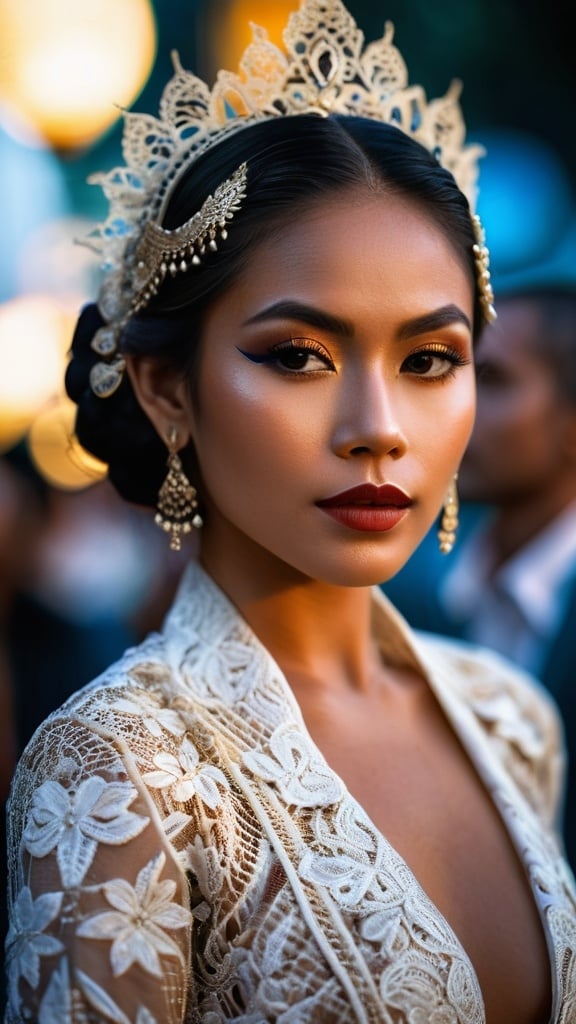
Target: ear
point(163, 394)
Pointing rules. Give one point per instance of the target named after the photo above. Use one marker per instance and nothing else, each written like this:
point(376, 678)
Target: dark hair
point(291, 161)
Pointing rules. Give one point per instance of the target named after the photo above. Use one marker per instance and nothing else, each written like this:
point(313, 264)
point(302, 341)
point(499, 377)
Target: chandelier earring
point(177, 499)
point(449, 521)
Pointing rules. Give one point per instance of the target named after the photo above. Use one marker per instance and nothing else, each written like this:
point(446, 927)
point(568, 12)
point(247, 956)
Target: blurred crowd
point(83, 576)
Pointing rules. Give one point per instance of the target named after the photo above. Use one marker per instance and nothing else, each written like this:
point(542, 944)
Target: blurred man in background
point(511, 582)
point(512, 585)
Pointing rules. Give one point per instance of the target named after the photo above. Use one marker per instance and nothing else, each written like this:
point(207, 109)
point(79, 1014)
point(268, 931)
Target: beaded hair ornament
point(325, 69)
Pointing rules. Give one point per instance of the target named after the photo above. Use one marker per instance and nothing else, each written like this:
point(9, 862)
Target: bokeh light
point(55, 451)
point(57, 260)
point(35, 334)
point(231, 33)
point(69, 67)
point(526, 199)
point(32, 193)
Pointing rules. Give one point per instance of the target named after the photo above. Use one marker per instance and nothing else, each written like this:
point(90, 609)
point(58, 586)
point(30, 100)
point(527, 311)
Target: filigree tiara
point(325, 70)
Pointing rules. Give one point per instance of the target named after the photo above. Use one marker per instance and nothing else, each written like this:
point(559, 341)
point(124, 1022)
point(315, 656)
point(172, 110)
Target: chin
point(365, 572)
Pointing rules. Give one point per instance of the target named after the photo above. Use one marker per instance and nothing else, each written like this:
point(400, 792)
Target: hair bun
point(83, 356)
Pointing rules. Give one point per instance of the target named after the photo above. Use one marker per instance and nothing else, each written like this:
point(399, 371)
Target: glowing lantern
point(230, 31)
point(34, 335)
point(69, 66)
point(55, 451)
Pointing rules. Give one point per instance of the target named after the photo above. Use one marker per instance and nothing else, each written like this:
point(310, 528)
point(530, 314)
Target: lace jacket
point(180, 850)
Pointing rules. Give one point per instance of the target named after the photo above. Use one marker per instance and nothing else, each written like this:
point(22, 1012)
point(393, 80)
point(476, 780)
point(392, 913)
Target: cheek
point(448, 431)
point(467, 418)
point(248, 432)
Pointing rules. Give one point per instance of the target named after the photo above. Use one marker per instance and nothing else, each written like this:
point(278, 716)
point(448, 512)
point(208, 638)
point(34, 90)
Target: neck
point(315, 630)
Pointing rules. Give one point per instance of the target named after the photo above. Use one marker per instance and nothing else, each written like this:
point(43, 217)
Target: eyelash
point(451, 355)
point(310, 347)
point(306, 345)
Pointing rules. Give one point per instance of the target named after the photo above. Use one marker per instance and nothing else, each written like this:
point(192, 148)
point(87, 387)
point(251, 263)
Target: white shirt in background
point(519, 609)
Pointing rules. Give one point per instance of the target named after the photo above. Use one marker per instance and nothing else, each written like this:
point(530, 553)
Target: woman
point(285, 806)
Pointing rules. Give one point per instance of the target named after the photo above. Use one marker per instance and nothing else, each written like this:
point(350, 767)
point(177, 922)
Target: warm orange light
point(56, 452)
point(69, 65)
point(35, 333)
point(232, 33)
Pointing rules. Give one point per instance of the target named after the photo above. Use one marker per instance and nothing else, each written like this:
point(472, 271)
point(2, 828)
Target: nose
point(368, 420)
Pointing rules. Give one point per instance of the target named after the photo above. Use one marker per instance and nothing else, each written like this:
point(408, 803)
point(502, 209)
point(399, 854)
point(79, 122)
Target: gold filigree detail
point(325, 69)
point(160, 251)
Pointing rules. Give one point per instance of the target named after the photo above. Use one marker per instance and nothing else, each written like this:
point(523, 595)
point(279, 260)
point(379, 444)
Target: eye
point(434, 363)
point(297, 356)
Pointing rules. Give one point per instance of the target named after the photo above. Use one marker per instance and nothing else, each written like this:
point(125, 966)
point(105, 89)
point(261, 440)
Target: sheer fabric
point(180, 850)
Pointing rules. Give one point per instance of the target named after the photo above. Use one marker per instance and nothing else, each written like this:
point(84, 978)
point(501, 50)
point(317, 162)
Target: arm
point(100, 918)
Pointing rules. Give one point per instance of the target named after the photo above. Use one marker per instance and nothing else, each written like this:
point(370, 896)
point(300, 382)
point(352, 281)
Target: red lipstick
point(368, 508)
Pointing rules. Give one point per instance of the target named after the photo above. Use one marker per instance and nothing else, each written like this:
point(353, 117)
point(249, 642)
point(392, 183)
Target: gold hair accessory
point(160, 251)
point(176, 506)
point(482, 260)
point(449, 521)
point(325, 70)
point(157, 253)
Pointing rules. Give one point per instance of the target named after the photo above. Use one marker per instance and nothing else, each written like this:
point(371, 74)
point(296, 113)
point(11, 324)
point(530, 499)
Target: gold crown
point(325, 70)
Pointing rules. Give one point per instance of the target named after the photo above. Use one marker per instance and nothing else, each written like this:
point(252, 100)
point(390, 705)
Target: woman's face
point(342, 359)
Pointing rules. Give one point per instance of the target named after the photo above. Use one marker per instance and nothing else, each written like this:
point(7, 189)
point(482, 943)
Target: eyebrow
point(439, 318)
point(287, 309)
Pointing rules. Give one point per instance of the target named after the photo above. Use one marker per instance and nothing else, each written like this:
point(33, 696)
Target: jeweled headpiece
point(325, 70)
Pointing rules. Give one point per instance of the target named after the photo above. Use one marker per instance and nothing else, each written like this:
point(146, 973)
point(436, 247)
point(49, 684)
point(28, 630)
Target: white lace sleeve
point(99, 904)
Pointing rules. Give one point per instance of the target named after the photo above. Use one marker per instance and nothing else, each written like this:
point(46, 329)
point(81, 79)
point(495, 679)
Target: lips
point(368, 508)
point(385, 496)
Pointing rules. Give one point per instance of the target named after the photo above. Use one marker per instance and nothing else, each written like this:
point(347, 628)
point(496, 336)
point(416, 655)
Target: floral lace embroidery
point(184, 778)
point(136, 925)
point(26, 941)
point(302, 779)
point(270, 896)
point(74, 821)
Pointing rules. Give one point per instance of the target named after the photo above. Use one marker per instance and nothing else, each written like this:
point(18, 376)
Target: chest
point(403, 763)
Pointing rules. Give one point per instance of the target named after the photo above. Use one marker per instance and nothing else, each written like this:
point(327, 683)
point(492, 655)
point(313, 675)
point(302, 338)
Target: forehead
point(376, 251)
point(516, 333)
